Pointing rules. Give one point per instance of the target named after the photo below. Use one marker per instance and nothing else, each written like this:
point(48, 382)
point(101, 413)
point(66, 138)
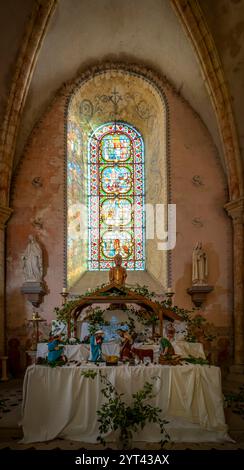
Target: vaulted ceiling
point(85, 32)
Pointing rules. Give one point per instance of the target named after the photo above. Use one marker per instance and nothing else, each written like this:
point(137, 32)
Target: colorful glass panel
point(116, 197)
point(116, 211)
point(115, 148)
point(115, 179)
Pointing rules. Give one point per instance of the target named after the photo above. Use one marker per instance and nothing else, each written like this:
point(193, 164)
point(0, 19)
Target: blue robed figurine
point(96, 341)
point(55, 352)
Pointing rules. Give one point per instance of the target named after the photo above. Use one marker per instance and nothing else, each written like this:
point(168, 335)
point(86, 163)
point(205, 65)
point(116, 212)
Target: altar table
point(61, 402)
point(81, 352)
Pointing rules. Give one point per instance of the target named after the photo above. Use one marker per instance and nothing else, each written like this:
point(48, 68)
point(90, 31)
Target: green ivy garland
point(195, 323)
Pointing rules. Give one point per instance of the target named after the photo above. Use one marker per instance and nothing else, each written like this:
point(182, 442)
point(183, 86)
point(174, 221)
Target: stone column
point(235, 210)
point(5, 213)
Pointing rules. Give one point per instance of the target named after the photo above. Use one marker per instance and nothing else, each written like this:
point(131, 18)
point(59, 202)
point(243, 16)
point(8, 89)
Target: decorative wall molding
point(235, 210)
point(37, 182)
point(197, 222)
point(197, 181)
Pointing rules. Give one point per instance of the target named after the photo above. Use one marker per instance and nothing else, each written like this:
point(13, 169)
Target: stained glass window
point(116, 197)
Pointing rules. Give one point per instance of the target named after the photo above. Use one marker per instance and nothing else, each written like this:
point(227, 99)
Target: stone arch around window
point(142, 104)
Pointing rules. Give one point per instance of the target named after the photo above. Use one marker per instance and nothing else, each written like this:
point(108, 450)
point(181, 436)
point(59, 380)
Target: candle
point(168, 290)
point(64, 290)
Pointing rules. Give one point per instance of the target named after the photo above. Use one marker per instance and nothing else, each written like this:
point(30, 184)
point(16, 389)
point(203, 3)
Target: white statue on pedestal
point(199, 265)
point(32, 261)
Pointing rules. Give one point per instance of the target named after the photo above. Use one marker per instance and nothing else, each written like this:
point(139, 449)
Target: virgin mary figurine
point(96, 341)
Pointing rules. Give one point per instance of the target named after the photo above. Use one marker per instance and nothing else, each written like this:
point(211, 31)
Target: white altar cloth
point(60, 402)
point(80, 352)
point(186, 349)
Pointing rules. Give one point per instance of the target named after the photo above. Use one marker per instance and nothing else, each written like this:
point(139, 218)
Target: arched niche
point(106, 96)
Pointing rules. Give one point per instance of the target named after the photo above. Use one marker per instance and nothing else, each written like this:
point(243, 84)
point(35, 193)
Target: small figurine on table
point(167, 354)
point(96, 341)
point(55, 348)
point(126, 343)
point(166, 347)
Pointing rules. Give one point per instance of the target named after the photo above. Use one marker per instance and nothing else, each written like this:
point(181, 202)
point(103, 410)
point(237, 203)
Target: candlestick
point(36, 319)
point(64, 295)
point(169, 295)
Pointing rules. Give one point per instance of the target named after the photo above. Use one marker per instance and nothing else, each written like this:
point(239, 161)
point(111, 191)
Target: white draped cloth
point(80, 352)
point(61, 402)
point(186, 349)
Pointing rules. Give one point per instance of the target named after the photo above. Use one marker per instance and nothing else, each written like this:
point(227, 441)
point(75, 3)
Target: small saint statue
point(199, 265)
point(32, 261)
point(166, 348)
point(55, 348)
point(96, 341)
point(126, 343)
point(118, 274)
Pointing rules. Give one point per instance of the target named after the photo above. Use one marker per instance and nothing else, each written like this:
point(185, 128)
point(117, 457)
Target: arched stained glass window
point(116, 197)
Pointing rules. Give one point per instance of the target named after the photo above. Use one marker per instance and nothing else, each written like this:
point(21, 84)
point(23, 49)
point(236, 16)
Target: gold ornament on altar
point(117, 274)
point(35, 320)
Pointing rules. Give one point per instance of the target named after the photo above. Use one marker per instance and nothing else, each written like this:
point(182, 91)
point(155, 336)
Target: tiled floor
point(10, 405)
point(11, 433)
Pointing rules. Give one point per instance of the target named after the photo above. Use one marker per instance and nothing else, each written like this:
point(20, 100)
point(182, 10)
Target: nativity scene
point(122, 334)
point(121, 320)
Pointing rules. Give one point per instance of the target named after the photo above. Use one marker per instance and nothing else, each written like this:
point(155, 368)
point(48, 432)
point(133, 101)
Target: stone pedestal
point(199, 294)
point(34, 292)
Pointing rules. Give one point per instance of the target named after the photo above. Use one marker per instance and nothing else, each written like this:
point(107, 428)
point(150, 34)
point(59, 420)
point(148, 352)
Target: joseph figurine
point(117, 274)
